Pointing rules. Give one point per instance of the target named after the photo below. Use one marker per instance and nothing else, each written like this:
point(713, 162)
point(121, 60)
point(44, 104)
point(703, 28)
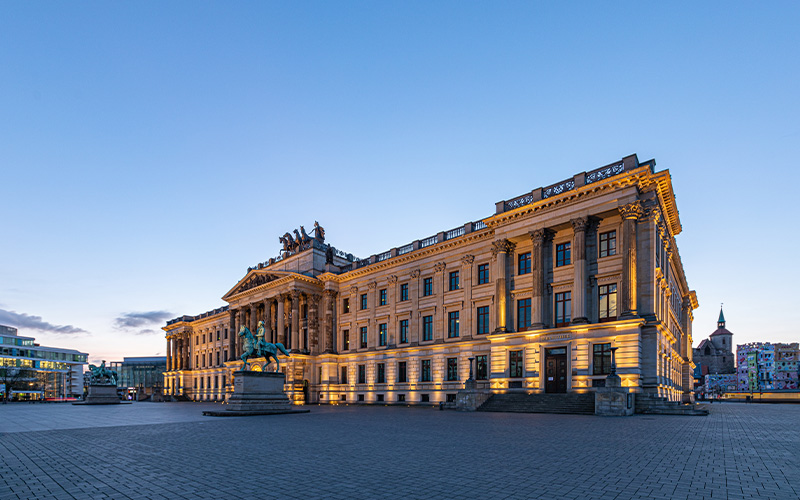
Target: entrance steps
point(655, 405)
point(520, 402)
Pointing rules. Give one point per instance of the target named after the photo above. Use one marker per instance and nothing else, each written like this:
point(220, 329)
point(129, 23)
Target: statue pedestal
point(102, 395)
point(257, 393)
point(613, 400)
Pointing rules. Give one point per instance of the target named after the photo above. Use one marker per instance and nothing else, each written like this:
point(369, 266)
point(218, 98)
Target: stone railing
point(383, 256)
point(454, 233)
point(427, 242)
point(567, 185)
point(405, 249)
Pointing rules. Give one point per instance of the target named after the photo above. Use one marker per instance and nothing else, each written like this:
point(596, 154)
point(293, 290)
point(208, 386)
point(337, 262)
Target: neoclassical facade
point(531, 298)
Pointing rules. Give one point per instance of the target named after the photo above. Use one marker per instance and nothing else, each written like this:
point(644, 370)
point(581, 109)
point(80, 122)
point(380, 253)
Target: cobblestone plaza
point(149, 451)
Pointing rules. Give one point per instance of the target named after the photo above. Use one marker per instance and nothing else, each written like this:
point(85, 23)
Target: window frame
point(453, 320)
point(362, 374)
point(604, 365)
point(482, 374)
point(382, 297)
point(364, 303)
point(427, 328)
point(608, 240)
point(453, 280)
point(383, 334)
point(524, 263)
point(363, 337)
point(380, 373)
point(604, 300)
point(346, 340)
point(402, 372)
point(482, 311)
point(427, 287)
point(563, 300)
point(403, 327)
point(563, 254)
point(523, 313)
point(403, 292)
point(452, 370)
point(425, 370)
point(483, 274)
point(516, 367)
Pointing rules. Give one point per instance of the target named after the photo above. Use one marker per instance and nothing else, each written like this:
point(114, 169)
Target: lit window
point(382, 297)
point(382, 334)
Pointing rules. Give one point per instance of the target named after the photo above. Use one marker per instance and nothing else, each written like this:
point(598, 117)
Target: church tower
point(722, 338)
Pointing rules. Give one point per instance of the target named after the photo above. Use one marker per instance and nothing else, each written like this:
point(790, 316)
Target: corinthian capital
point(354, 290)
point(467, 260)
point(631, 210)
point(392, 279)
point(541, 235)
point(580, 224)
point(415, 274)
point(439, 267)
point(502, 246)
point(372, 285)
point(330, 293)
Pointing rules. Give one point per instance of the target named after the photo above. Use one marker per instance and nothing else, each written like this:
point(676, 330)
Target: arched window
point(708, 351)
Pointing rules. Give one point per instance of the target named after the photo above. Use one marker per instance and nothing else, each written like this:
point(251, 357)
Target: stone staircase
point(654, 405)
point(520, 402)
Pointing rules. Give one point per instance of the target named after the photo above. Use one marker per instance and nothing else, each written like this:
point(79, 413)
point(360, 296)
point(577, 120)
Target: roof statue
point(319, 232)
point(257, 347)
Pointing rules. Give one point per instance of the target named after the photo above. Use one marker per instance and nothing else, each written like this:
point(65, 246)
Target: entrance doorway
point(555, 372)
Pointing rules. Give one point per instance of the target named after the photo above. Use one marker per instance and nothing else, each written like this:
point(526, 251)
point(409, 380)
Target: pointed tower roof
point(721, 325)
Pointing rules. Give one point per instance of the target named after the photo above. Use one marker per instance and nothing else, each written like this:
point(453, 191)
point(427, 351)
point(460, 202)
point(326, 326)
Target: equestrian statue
point(102, 375)
point(257, 347)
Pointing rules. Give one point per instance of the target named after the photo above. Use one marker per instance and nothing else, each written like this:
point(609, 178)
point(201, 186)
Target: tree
point(12, 377)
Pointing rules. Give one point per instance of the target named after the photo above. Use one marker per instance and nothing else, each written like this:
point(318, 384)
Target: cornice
point(481, 234)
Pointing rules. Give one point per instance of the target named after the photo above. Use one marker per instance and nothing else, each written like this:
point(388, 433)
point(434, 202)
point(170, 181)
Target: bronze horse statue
point(259, 348)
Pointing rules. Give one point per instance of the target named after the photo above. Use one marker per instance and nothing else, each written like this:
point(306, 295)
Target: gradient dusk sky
point(150, 152)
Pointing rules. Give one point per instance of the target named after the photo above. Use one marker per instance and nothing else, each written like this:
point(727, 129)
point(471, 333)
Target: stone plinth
point(101, 395)
point(613, 400)
point(257, 393)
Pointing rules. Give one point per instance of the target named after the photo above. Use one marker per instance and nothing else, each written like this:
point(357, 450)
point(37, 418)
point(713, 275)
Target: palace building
point(531, 298)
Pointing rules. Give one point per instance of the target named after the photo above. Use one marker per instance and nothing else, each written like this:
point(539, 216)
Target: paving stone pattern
point(738, 452)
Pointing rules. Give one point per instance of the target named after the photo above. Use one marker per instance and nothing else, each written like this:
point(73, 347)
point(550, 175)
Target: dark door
point(555, 373)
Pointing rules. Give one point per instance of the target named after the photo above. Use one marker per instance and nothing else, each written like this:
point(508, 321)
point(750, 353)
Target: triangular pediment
point(255, 278)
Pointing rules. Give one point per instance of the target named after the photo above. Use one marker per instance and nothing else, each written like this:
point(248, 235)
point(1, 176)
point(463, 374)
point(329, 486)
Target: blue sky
point(150, 153)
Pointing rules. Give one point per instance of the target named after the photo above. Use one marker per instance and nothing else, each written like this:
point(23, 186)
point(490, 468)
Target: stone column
point(280, 324)
point(231, 334)
point(413, 323)
point(579, 226)
point(253, 318)
point(372, 304)
point(169, 354)
point(500, 251)
point(466, 283)
point(242, 321)
point(295, 321)
point(630, 214)
point(391, 297)
point(268, 321)
point(327, 342)
point(540, 304)
point(439, 320)
point(313, 323)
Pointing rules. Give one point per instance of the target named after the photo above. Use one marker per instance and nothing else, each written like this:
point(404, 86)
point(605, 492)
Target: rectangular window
point(382, 297)
point(427, 287)
point(608, 302)
point(345, 340)
point(453, 280)
point(363, 301)
point(404, 331)
point(382, 334)
point(362, 374)
point(379, 397)
point(483, 320)
point(403, 292)
point(452, 324)
point(425, 370)
point(218, 358)
point(363, 337)
point(217, 334)
point(343, 379)
point(452, 369)
point(601, 359)
point(380, 374)
point(524, 263)
point(226, 333)
point(515, 364)
point(563, 308)
point(563, 254)
point(402, 372)
point(483, 274)
point(481, 367)
point(608, 243)
point(427, 328)
point(523, 314)
point(425, 398)
point(345, 306)
point(401, 398)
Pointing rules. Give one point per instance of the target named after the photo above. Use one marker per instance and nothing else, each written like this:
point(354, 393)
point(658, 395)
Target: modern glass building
point(140, 376)
point(29, 371)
